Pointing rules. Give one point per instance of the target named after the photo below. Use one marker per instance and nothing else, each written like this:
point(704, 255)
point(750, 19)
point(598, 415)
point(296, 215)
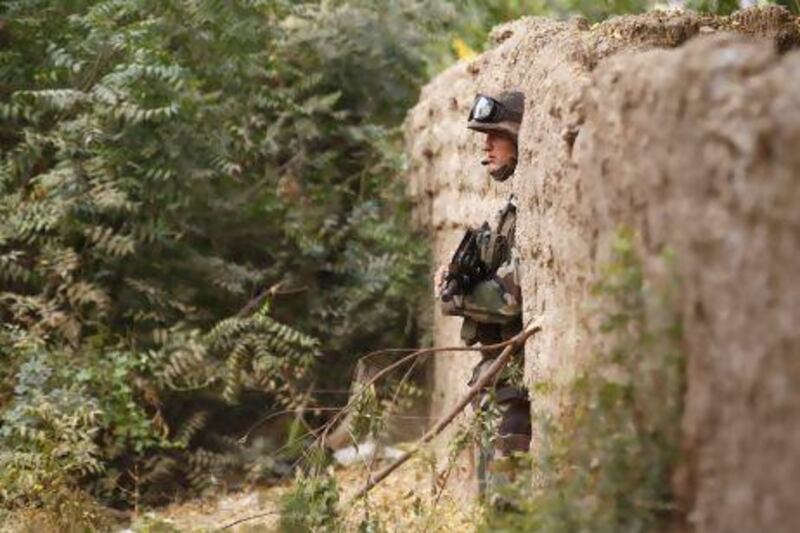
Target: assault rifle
point(480, 253)
point(466, 268)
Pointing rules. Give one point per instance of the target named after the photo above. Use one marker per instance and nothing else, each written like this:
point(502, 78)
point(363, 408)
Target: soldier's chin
point(501, 172)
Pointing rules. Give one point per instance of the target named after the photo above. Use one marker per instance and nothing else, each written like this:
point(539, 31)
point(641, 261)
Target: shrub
point(164, 164)
point(604, 462)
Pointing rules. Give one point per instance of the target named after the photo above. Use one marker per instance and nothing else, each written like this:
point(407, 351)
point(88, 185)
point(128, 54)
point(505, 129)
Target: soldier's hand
point(438, 280)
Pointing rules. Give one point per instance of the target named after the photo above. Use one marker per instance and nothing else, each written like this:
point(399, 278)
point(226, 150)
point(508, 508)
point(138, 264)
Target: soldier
point(491, 309)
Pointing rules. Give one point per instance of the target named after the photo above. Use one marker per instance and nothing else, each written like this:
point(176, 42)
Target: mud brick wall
point(686, 129)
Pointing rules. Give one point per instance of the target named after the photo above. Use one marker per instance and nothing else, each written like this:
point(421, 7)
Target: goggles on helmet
point(488, 110)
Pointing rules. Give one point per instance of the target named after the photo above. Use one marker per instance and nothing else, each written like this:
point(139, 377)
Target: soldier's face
point(499, 150)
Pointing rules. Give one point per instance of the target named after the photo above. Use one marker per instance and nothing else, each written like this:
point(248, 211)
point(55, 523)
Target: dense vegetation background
point(164, 164)
point(201, 224)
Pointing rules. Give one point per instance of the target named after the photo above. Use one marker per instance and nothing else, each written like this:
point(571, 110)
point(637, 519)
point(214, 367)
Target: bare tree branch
point(322, 438)
point(491, 374)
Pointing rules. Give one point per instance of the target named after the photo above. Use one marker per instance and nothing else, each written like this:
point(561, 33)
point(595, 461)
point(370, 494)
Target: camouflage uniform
point(492, 313)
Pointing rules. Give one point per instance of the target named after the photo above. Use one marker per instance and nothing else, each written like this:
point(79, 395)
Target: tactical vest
point(492, 310)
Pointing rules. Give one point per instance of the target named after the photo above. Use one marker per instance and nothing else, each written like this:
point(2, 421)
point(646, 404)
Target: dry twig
point(322, 438)
point(491, 374)
point(248, 518)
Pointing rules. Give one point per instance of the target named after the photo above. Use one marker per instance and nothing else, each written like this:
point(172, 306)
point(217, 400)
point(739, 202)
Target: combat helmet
point(497, 113)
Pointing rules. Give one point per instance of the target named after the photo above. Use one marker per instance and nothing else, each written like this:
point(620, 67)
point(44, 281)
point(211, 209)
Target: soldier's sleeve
point(497, 300)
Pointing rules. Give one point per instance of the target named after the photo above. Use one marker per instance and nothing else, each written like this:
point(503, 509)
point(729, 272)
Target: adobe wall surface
point(690, 135)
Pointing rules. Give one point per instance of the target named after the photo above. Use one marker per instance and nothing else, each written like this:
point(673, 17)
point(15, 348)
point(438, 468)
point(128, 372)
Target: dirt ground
point(403, 502)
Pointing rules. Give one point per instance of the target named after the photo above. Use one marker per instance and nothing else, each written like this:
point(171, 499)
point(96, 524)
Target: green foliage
point(605, 462)
point(368, 415)
point(163, 163)
point(597, 11)
point(311, 504)
point(371, 524)
point(271, 355)
point(48, 437)
point(477, 17)
point(718, 7)
point(154, 525)
point(791, 5)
